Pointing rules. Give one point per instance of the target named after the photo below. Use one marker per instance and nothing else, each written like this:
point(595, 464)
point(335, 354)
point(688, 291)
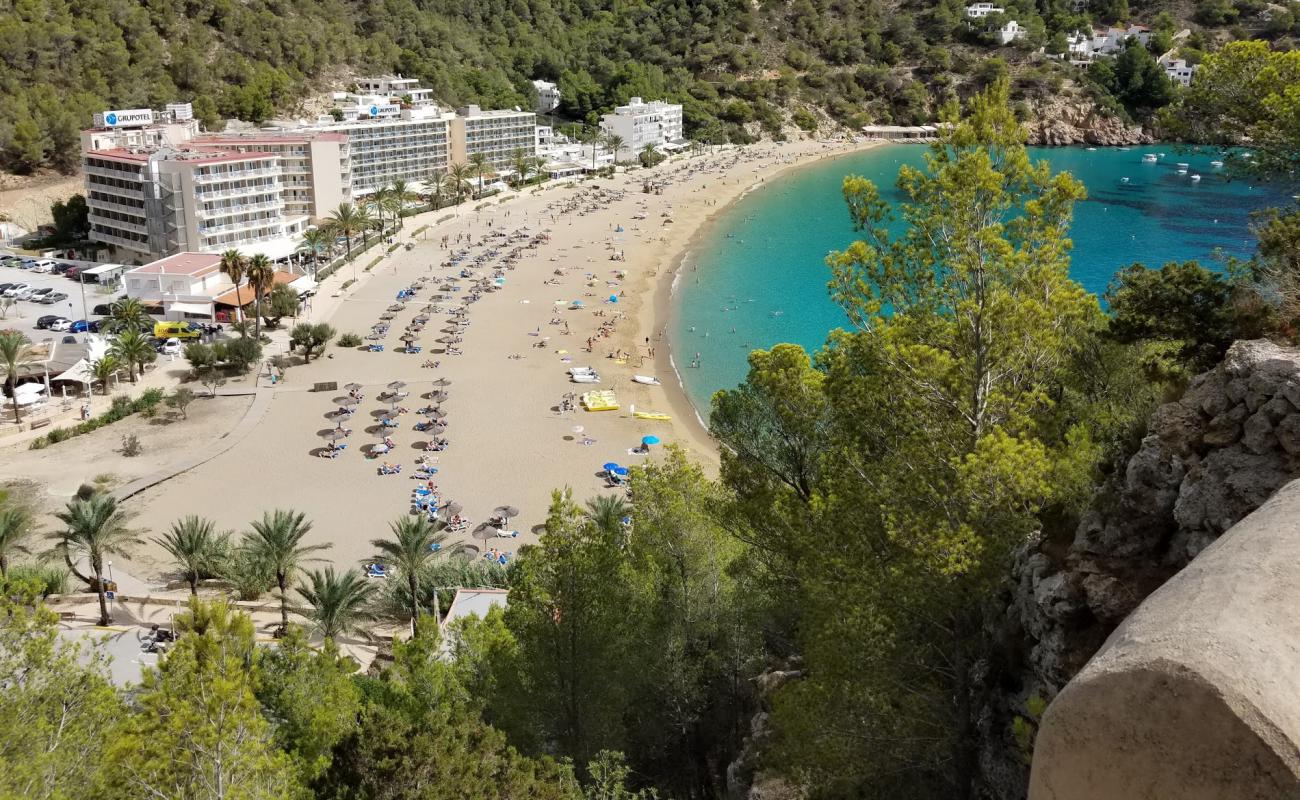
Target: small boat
point(1123, 180)
point(577, 370)
point(648, 380)
point(1183, 164)
point(1182, 170)
point(1149, 158)
point(1216, 164)
point(1195, 178)
point(1092, 149)
point(585, 377)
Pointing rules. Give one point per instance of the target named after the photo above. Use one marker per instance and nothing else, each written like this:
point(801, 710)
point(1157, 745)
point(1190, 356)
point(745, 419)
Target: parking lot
point(23, 314)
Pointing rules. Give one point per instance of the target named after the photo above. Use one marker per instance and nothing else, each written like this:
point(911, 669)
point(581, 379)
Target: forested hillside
point(741, 68)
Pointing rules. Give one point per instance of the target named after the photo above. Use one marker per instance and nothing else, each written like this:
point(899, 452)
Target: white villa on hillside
point(981, 10)
point(1011, 32)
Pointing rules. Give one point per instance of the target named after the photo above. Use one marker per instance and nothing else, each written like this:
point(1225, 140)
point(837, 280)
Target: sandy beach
point(511, 440)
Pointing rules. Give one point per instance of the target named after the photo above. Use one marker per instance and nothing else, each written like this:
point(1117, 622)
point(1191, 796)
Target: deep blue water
point(758, 276)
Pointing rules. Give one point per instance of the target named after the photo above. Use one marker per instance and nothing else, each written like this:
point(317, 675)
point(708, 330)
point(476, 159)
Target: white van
point(45, 265)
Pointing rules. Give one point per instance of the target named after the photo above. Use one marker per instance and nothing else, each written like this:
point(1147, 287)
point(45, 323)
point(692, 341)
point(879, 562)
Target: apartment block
point(496, 134)
point(639, 124)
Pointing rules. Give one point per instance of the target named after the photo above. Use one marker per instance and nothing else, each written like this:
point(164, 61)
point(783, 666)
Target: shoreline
point(666, 298)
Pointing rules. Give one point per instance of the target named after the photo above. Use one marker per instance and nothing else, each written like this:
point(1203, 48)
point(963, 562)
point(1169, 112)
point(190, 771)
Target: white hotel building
point(639, 124)
point(496, 134)
point(156, 185)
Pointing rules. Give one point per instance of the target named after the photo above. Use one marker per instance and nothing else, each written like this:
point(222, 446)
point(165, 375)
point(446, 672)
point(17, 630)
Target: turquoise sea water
point(758, 276)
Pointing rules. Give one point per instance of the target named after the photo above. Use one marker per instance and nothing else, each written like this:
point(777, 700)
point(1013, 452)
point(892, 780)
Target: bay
point(757, 275)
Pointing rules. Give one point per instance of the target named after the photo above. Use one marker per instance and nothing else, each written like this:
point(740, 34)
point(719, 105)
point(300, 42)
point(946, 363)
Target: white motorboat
point(586, 377)
point(1195, 178)
point(649, 380)
point(579, 370)
point(1149, 158)
point(1216, 164)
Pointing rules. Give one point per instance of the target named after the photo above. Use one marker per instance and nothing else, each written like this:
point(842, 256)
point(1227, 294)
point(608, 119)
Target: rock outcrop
point(1062, 121)
point(1197, 694)
point(1208, 460)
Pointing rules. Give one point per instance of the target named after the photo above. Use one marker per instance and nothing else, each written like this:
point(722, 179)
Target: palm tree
point(523, 165)
point(95, 528)
point(378, 203)
point(411, 547)
point(607, 512)
point(235, 266)
point(261, 274)
point(277, 541)
point(479, 161)
point(437, 184)
point(15, 352)
point(348, 220)
point(592, 137)
point(459, 174)
point(648, 154)
point(338, 602)
point(614, 142)
point(126, 314)
point(133, 349)
point(15, 529)
point(316, 241)
point(196, 547)
point(399, 194)
point(105, 368)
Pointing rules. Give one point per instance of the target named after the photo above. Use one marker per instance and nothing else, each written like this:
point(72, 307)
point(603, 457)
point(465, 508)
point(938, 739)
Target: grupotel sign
point(128, 117)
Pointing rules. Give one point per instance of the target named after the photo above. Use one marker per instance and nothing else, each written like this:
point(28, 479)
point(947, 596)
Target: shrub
point(39, 443)
point(350, 340)
point(59, 435)
point(243, 353)
point(347, 283)
point(131, 446)
point(121, 407)
point(149, 399)
point(180, 400)
point(48, 578)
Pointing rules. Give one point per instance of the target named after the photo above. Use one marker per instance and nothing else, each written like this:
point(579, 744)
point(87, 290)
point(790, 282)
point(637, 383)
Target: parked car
point(103, 309)
point(39, 294)
point(43, 323)
point(45, 265)
point(62, 267)
point(73, 272)
point(171, 347)
point(4, 287)
point(10, 260)
point(26, 263)
point(62, 324)
point(84, 326)
point(17, 289)
point(52, 298)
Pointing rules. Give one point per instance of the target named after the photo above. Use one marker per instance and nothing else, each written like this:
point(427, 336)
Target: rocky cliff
point(1207, 461)
point(1064, 120)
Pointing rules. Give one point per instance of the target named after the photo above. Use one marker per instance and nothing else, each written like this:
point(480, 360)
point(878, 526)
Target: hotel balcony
point(268, 222)
point(235, 175)
point(126, 225)
point(226, 211)
point(240, 191)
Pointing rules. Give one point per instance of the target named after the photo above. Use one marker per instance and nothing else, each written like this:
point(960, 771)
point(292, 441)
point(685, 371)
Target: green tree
point(127, 314)
point(71, 219)
point(107, 367)
point(897, 481)
point(311, 698)
point(95, 528)
point(480, 164)
point(282, 302)
point(135, 350)
point(615, 144)
point(16, 529)
point(181, 399)
point(199, 731)
point(1245, 94)
point(57, 708)
point(400, 196)
point(277, 541)
point(347, 221)
point(415, 542)
point(196, 548)
point(235, 265)
point(606, 512)
point(459, 174)
point(261, 276)
point(15, 353)
point(311, 338)
point(339, 603)
point(317, 242)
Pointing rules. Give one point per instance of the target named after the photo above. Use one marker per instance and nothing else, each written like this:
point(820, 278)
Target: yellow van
point(178, 330)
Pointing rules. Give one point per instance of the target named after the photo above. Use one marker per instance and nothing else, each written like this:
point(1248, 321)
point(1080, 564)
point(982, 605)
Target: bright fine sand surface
point(509, 441)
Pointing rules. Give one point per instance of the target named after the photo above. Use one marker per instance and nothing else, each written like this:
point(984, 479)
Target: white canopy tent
point(79, 372)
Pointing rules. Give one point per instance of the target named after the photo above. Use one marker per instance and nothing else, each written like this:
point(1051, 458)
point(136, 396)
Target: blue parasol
point(610, 466)
point(649, 440)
